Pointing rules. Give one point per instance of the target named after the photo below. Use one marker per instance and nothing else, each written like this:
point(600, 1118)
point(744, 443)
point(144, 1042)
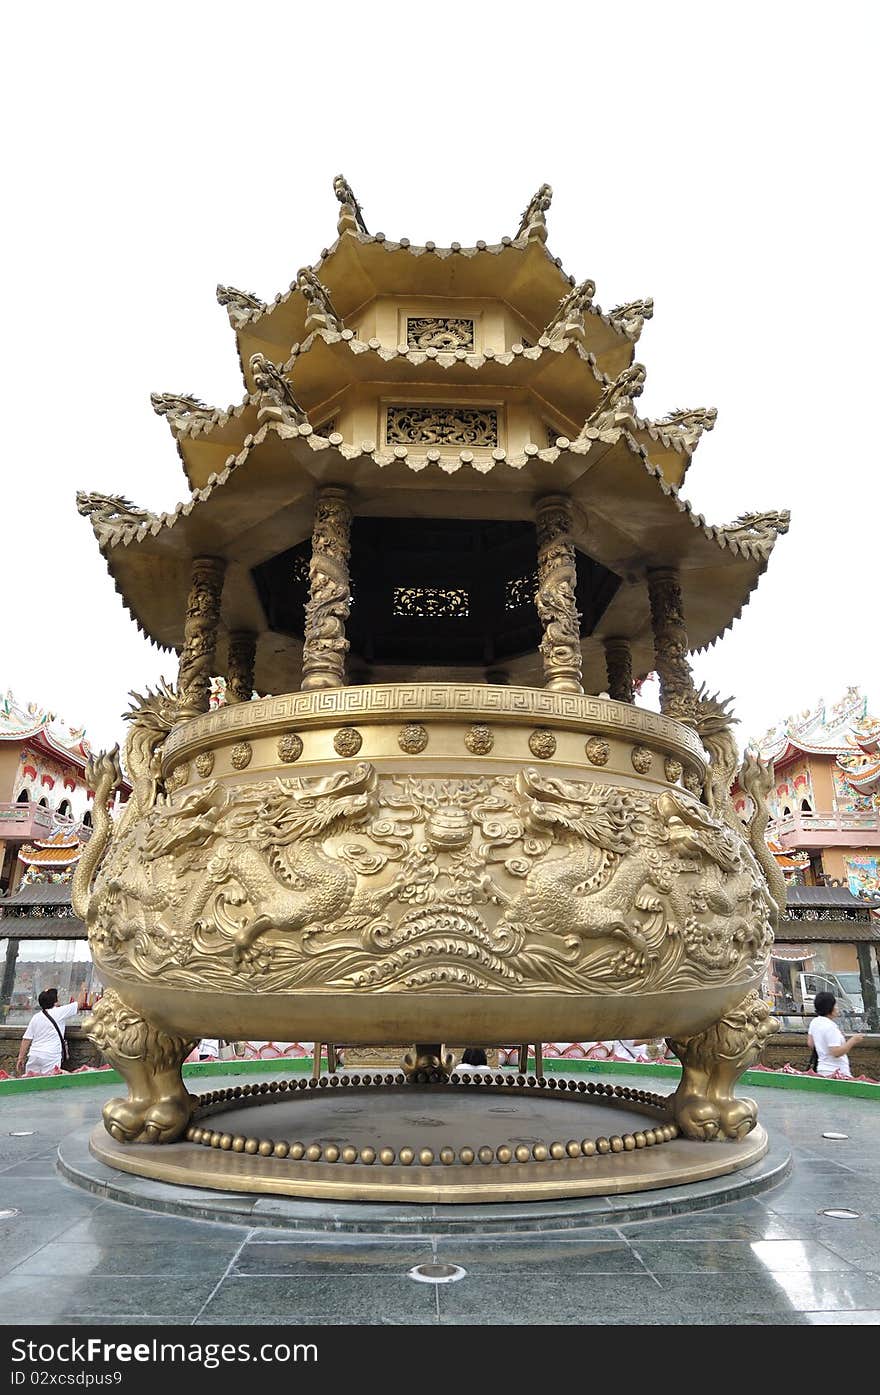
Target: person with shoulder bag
point(43, 1041)
point(829, 1045)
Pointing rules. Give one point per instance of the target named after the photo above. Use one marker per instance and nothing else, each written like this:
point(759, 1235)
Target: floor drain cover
point(21, 1133)
point(8, 1212)
point(437, 1273)
point(835, 1135)
point(841, 1213)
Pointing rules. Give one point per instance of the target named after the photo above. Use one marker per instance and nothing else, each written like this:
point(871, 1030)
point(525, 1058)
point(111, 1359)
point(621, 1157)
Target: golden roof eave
point(520, 272)
point(261, 503)
point(563, 377)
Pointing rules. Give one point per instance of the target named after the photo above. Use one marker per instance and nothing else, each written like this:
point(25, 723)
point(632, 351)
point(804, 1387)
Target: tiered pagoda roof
point(512, 340)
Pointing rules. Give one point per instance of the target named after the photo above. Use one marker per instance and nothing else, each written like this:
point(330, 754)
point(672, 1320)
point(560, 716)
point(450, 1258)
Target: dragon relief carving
point(344, 881)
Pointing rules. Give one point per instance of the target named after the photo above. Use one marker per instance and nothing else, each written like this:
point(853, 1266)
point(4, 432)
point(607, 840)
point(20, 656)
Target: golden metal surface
point(441, 703)
point(325, 645)
point(415, 875)
point(555, 600)
point(410, 1179)
point(677, 693)
point(200, 634)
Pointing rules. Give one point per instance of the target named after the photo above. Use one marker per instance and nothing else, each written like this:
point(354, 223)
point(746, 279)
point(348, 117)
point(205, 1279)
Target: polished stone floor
point(74, 1258)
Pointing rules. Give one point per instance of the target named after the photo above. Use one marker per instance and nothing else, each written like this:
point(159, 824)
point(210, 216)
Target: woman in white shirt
point(43, 1035)
point(832, 1048)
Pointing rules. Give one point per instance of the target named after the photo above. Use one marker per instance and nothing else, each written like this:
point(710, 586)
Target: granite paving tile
point(782, 1291)
point(34, 1299)
point(314, 1258)
point(728, 1256)
point(322, 1298)
point(561, 1300)
point(78, 1258)
point(541, 1256)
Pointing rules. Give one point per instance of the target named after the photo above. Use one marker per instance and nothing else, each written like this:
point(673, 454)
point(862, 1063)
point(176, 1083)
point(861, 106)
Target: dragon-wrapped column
point(555, 600)
point(200, 635)
point(325, 645)
point(240, 666)
point(618, 665)
point(678, 698)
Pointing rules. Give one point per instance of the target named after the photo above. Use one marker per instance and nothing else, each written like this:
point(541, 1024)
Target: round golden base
point(477, 1139)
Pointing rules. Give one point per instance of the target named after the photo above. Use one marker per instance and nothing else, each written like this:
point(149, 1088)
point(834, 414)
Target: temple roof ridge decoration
point(30, 722)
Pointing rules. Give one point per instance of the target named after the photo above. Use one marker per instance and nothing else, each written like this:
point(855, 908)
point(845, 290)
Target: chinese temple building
point(42, 782)
point(825, 836)
point(46, 807)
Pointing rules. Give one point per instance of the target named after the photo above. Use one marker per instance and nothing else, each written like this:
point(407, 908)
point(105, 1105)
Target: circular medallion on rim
point(205, 763)
point(597, 751)
point(290, 747)
point(412, 738)
point(240, 755)
point(347, 741)
point(479, 739)
point(642, 759)
point(673, 770)
point(179, 775)
point(542, 743)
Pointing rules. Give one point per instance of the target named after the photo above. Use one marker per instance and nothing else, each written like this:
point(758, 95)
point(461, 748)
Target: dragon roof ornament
point(630, 318)
point(614, 408)
point(241, 306)
point(351, 218)
point(533, 223)
point(279, 403)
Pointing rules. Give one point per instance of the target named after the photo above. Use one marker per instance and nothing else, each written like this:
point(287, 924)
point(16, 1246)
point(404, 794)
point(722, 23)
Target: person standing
point(832, 1048)
point(43, 1041)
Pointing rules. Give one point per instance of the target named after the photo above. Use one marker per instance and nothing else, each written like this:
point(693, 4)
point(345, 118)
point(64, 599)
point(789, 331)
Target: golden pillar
point(678, 697)
point(618, 665)
point(325, 645)
point(240, 666)
point(200, 635)
point(557, 609)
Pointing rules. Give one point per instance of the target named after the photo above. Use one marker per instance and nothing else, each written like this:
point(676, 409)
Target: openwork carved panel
point(520, 591)
point(427, 332)
point(442, 426)
point(430, 603)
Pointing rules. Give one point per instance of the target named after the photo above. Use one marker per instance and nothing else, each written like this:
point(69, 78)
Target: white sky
point(721, 159)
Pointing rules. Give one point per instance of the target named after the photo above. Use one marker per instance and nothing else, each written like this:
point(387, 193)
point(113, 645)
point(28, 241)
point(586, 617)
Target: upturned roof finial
point(533, 223)
point(279, 403)
point(240, 305)
point(351, 219)
point(320, 313)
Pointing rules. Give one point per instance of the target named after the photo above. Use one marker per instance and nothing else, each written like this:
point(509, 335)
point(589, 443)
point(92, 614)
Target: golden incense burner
point(438, 533)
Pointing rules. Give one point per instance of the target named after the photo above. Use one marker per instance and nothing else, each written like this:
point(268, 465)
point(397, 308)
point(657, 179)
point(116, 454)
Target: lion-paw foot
point(738, 1117)
point(124, 1119)
point(699, 1118)
point(167, 1120)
